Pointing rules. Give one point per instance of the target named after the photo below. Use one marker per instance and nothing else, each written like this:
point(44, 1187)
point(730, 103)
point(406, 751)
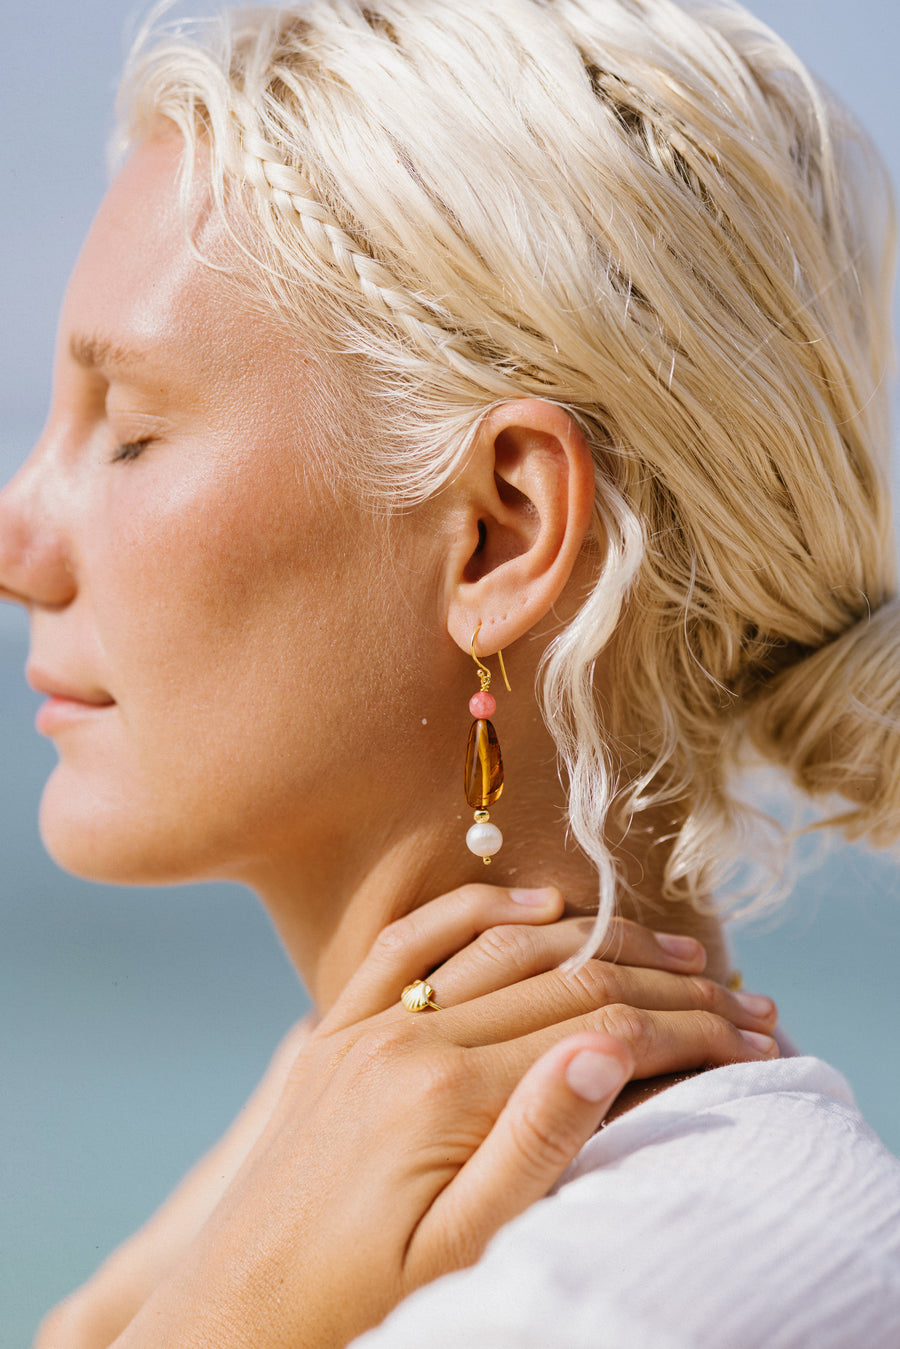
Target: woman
point(408, 335)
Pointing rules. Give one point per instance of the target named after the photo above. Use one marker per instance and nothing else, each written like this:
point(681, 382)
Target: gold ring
point(417, 996)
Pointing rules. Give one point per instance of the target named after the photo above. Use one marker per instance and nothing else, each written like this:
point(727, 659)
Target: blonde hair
point(653, 216)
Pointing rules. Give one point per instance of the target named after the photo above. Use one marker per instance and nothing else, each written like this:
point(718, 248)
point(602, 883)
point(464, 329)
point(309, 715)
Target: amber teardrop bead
point(484, 766)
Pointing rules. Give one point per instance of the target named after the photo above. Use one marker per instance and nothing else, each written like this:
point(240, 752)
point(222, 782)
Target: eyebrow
point(98, 353)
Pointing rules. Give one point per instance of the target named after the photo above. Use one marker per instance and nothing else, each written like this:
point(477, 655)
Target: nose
point(35, 560)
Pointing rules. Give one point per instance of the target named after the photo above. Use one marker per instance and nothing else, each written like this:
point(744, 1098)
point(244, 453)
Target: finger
point(659, 1043)
point(548, 1118)
point(561, 994)
point(629, 943)
point(510, 952)
point(413, 945)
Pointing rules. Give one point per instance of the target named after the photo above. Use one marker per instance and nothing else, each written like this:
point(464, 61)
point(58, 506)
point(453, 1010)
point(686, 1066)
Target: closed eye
point(130, 450)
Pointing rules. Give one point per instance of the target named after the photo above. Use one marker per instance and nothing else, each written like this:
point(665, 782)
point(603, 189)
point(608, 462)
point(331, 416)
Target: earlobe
point(527, 500)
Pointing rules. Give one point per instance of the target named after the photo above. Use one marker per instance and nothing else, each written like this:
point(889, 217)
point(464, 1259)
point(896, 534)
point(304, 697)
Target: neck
point(328, 903)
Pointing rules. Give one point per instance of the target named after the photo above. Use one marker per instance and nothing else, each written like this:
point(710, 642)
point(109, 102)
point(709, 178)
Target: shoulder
point(750, 1205)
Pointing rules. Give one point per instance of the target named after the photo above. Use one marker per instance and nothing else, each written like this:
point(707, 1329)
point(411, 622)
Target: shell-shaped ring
point(417, 996)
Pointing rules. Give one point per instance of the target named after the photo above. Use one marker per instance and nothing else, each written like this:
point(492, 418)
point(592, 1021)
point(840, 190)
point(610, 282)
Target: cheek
point(232, 624)
point(209, 578)
point(227, 650)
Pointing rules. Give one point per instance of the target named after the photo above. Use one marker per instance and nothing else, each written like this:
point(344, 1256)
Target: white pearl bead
point(484, 840)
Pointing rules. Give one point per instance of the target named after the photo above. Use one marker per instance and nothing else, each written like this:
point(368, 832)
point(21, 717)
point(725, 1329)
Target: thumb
point(550, 1115)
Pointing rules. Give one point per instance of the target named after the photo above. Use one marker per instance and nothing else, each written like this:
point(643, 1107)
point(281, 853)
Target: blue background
point(135, 1022)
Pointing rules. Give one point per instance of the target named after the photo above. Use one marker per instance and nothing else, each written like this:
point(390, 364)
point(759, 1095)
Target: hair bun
point(833, 720)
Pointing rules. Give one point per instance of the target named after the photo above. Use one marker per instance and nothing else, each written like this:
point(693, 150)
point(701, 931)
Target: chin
point(110, 841)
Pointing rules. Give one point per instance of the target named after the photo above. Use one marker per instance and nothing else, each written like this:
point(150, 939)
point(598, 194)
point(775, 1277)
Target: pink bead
point(482, 706)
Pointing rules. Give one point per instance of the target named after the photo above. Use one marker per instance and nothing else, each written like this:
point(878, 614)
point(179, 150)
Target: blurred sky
point(136, 1022)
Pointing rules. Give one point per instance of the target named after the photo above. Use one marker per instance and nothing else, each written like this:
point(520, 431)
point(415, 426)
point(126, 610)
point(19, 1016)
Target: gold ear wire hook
point(483, 669)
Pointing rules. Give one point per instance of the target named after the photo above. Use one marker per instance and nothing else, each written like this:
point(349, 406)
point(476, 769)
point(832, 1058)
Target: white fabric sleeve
point(749, 1206)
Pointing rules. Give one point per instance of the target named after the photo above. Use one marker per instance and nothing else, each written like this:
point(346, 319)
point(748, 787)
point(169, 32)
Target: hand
point(402, 1142)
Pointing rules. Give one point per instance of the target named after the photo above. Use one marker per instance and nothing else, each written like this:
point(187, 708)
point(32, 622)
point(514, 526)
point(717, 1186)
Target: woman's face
point(208, 614)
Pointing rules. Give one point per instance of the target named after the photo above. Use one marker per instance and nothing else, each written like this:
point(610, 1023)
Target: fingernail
point(764, 1044)
point(757, 1004)
point(594, 1076)
point(533, 899)
point(682, 948)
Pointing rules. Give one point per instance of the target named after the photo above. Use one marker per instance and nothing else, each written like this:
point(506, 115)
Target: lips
point(60, 690)
point(68, 703)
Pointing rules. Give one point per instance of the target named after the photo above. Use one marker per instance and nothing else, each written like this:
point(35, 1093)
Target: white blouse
point(749, 1206)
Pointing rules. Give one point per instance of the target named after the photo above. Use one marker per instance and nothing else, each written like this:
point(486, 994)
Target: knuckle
point(383, 1046)
point(441, 1077)
point(632, 1025)
point(428, 1078)
point(716, 1039)
point(707, 993)
point(475, 897)
point(392, 942)
point(380, 1062)
point(541, 1144)
point(596, 982)
point(507, 945)
point(722, 1041)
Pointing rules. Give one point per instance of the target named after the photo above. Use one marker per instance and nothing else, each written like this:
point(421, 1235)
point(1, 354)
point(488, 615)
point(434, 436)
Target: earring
point(484, 763)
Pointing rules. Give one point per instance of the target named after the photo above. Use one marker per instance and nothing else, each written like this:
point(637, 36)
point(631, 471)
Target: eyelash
point(132, 449)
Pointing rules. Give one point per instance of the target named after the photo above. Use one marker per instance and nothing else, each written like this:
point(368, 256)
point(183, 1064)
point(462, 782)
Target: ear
point(525, 502)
